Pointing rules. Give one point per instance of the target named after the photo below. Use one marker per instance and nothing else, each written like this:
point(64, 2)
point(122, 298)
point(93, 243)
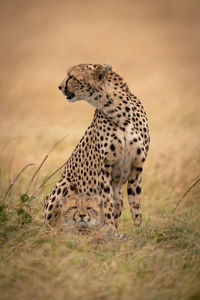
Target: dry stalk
point(15, 179)
point(43, 161)
point(16, 140)
point(185, 194)
point(38, 169)
point(45, 181)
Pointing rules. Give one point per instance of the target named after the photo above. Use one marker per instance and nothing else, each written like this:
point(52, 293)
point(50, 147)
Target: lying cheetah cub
point(81, 213)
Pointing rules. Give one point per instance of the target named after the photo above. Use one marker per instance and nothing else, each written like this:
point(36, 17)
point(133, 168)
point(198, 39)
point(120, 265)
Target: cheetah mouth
point(70, 96)
point(82, 224)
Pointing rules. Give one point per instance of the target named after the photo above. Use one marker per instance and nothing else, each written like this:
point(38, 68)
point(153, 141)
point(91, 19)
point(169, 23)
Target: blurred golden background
point(154, 45)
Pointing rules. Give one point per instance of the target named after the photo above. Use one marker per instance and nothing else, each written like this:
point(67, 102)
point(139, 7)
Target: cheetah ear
point(103, 71)
point(69, 70)
point(99, 200)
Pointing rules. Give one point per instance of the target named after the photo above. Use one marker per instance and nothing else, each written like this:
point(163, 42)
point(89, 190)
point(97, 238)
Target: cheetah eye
point(89, 207)
point(74, 207)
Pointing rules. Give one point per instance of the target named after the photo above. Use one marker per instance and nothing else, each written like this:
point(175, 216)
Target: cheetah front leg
point(134, 193)
point(118, 205)
point(108, 230)
point(108, 207)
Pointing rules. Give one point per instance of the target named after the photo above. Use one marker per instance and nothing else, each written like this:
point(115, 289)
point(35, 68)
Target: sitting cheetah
point(112, 150)
point(81, 213)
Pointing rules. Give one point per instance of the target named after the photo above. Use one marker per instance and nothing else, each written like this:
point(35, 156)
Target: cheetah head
point(81, 211)
point(84, 82)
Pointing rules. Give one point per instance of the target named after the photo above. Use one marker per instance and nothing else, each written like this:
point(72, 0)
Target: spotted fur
point(81, 213)
point(113, 149)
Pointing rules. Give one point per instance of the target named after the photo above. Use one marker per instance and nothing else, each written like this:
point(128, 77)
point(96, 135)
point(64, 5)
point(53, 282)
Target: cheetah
point(113, 149)
point(81, 213)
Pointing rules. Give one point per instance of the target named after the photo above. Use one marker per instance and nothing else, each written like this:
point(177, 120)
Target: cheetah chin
point(70, 100)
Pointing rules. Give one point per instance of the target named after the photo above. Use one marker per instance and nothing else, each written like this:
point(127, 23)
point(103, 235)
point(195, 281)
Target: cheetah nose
point(82, 216)
point(60, 87)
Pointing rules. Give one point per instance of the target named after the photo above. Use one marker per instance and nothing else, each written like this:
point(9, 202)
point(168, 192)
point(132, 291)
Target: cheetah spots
point(131, 181)
point(138, 190)
point(138, 151)
point(117, 205)
point(112, 147)
point(107, 190)
point(72, 187)
point(139, 169)
point(49, 216)
point(109, 216)
point(65, 192)
point(50, 207)
point(130, 192)
point(136, 206)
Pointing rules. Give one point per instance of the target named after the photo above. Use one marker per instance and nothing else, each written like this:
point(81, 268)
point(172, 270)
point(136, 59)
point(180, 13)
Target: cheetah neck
point(119, 105)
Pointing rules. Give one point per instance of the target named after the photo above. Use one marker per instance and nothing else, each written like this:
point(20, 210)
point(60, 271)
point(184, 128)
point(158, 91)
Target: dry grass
point(155, 46)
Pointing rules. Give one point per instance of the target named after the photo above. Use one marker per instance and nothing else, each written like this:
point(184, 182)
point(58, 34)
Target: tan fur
point(81, 213)
point(113, 149)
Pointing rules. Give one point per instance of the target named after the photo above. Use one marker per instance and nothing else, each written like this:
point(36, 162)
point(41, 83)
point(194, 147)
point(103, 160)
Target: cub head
point(83, 82)
point(80, 211)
